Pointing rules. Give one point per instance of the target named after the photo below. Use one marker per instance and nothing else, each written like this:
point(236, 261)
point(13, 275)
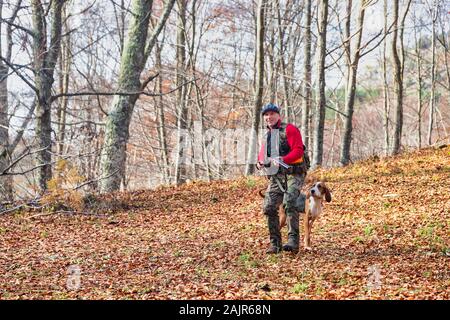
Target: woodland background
point(95, 95)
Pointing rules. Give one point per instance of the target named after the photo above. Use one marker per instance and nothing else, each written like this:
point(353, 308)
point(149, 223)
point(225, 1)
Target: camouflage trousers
point(283, 189)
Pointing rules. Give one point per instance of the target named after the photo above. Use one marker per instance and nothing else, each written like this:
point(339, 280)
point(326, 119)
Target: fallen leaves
point(384, 236)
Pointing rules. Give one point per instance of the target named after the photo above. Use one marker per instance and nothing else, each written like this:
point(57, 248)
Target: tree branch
point(149, 79)
point(17, 160)
point(159, 26)
point(11, 147)
point(13, 68)
point(343, 114)
point(4, 172)
point(119, 93)
point(12, 24)
point(95, 180)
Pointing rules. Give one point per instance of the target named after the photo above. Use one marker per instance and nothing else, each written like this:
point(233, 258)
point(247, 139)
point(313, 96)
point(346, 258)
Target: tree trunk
point(419, 87)
point(251, 157)
point(398, 84)
point(385, 86)
point(321, 104)
point(161, 123)
point(135, 53)
point(272, 64)
point(182, 114)
point(352, 70)
point(433, 77)
point(64, 68)
point(6, 147)
point(399, 63)
point(282, 62)
point(307, 78)
point(445, 48)
point(5, 181)
point(45, 59)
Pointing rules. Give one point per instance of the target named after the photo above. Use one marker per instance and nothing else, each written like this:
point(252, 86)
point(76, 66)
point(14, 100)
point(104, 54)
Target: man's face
point(271, 118)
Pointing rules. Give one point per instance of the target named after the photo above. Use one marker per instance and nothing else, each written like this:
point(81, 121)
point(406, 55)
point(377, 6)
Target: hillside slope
point(384, 235)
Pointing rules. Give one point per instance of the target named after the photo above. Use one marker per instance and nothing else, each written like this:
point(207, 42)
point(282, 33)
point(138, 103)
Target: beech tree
point(6, 148)
point(321, 100)
point(398, 62)
point(135, 53)
point(45, 56)
point(260, 30)
point(307, 85)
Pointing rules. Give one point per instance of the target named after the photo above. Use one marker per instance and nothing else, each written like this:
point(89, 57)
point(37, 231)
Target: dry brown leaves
point(385, 235)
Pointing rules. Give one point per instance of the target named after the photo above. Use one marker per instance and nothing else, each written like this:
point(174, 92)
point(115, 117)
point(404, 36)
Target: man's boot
point(274, 234)
point(293, 233)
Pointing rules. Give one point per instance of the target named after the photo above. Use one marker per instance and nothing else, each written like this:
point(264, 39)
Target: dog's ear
point(327, 194)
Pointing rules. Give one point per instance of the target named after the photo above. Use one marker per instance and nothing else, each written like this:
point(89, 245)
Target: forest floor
point(385, 235)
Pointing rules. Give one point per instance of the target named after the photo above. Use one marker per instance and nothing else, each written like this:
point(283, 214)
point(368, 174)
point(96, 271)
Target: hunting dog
point(317, 192)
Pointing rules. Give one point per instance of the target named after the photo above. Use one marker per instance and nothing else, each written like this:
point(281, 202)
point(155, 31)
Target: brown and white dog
point(313, 208)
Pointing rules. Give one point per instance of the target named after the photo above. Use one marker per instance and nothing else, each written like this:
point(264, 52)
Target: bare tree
point(386, 102)
point(134, 57)
point(260, 30)
point(182, 111)
point(307, 86)
point(161, 122)
point(198, 103)
point(321, 102)
point(444, 40)
point(352, 68)
point(419, 79)
point(273, 63)
point(64, 73)
point(45, 59)
point(398, 61)
point(6, 188)
point(398, 81)
point(434, 15)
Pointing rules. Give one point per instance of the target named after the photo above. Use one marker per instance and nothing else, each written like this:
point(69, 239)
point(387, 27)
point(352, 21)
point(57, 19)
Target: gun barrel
point(282, 163)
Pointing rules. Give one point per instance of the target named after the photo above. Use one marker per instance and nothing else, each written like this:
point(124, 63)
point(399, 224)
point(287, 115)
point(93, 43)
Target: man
point(283, 143)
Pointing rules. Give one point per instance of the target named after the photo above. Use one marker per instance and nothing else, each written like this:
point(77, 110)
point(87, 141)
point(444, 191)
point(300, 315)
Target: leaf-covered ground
point(385, 235)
